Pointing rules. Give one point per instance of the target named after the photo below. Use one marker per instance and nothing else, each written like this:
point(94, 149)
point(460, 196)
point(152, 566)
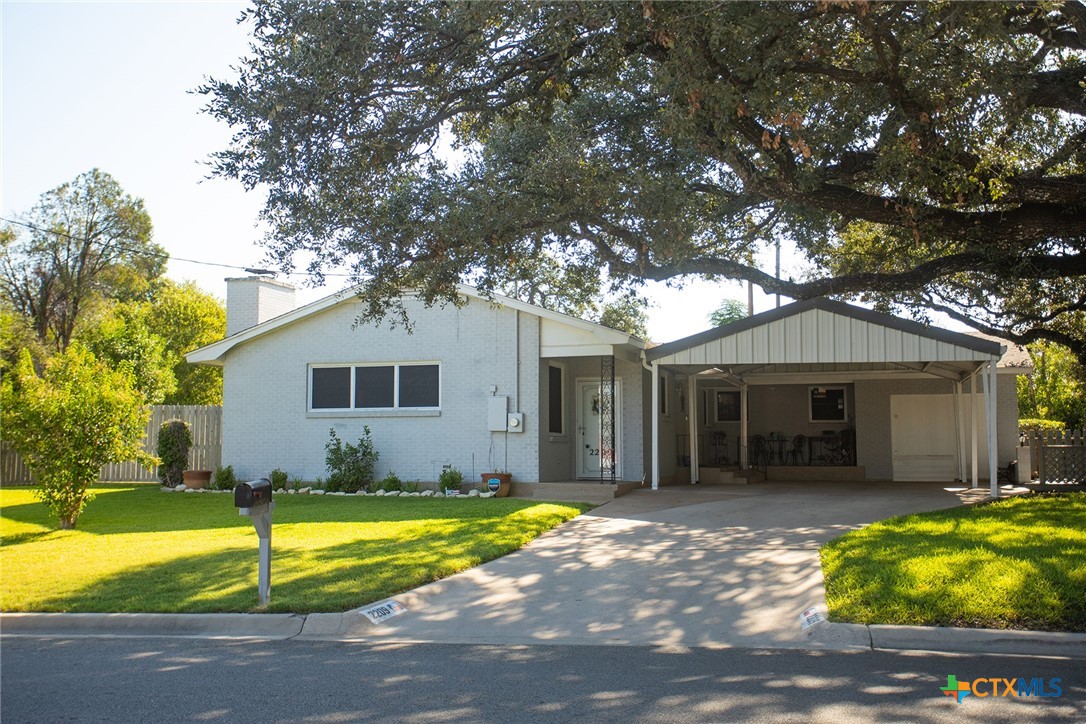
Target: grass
point(1015, 563)
point(137, 549)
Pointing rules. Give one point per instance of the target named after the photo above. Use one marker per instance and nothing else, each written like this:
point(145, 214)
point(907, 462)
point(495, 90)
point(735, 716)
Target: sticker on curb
point(384, 611)
point(810, 617)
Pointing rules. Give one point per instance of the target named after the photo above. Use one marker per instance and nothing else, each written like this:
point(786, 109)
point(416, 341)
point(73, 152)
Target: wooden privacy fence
point(205, 422)
point(1057, 456)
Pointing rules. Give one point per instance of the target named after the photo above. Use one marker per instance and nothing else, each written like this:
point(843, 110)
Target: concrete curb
point(192, 625)
point(978, 641)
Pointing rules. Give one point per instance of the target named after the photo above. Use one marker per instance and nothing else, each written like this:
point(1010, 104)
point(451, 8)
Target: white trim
point(655, 426)
point(692, 430)
point(992, 388)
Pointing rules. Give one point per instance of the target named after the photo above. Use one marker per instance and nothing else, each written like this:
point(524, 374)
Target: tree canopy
point(920, 155)
point(84, 241)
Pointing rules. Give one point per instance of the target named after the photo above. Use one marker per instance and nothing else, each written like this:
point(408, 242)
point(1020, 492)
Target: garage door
point(925, 443)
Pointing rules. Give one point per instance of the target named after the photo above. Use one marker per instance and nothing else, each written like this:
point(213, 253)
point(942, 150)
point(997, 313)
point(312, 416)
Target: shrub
point(390, 482)
point(350, 467)
point(450, 479)
point(224, 478)
point(278, 479)
point(174, 441)
point(1032, 423)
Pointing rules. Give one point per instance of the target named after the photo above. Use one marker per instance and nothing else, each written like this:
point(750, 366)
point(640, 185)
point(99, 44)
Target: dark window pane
point(555, 400)
point(331, 388)
point(373, 387)
point(419, 386)
point(827, 404)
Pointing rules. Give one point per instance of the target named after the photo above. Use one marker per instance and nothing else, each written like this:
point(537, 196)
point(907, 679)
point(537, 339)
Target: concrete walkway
point(706, 566)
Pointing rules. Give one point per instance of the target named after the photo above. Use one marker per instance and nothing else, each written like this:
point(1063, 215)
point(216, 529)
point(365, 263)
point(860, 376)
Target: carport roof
point(823, 332)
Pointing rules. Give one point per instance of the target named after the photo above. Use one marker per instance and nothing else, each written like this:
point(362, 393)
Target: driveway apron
point(699, 566)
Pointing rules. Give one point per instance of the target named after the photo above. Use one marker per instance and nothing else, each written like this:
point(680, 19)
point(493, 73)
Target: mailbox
point(253, 493)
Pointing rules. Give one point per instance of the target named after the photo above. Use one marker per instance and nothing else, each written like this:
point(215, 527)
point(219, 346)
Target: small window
point(374, 387)
point(556, 410)
point(726, 406)
point(827, 404)
point(419, 386)
point(331, 388)
point(663, 395)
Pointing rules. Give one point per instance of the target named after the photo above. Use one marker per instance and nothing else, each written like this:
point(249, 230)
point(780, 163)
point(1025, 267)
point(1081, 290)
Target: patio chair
point(840, 452)
point(797, 454)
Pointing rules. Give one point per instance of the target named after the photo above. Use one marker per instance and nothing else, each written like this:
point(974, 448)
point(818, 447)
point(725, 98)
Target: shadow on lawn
point(304, 579)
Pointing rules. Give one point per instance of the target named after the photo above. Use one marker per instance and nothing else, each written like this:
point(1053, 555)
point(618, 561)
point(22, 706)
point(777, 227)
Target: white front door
point(593, 456)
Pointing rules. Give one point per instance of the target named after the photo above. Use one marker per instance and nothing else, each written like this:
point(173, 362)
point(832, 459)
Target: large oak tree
point(919, 155)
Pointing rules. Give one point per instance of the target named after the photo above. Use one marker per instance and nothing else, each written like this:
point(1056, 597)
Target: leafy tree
point(15, 336)
point(1057, 389)
point(186, 317)
point(920, 154)
point(69, 422)
point(85, 240)
point(627, 313)
point(730, 310)
point(122, 339)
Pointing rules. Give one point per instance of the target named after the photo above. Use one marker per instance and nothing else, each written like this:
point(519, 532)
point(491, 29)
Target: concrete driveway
point(681, 566)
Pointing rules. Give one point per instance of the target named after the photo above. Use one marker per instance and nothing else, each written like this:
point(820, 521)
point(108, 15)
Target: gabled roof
point(213, 353)
point(822, 331)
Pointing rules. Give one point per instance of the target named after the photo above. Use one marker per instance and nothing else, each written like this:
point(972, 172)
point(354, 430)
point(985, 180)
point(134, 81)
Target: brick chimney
point(252, 300)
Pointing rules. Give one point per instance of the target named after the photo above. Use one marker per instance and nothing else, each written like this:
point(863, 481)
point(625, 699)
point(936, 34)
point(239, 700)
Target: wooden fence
point(205, 422)
point(1062, 449)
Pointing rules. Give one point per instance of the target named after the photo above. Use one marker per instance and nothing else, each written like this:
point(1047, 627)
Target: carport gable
point(819, 342)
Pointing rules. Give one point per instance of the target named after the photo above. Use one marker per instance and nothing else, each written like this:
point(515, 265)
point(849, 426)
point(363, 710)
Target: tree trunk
point(68, 522)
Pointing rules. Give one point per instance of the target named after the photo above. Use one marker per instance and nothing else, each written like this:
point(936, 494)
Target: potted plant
point(498, 483)
point(450, 480)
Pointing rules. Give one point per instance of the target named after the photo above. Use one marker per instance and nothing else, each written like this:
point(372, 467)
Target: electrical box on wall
point(495, 413)
point(515, 422)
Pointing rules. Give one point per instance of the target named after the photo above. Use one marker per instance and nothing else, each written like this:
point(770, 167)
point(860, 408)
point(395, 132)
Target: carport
point(921, 402)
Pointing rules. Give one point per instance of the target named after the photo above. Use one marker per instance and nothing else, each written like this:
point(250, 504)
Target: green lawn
point(1015, 563)
point(139, 549)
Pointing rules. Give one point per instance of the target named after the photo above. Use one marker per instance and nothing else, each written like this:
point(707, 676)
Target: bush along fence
point(1057, 456)
point(205, 422)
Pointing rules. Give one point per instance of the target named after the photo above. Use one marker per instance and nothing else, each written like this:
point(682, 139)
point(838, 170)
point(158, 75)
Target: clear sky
point(108, 85)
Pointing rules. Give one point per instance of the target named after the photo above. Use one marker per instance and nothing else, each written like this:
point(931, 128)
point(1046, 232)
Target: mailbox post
point(254, 500)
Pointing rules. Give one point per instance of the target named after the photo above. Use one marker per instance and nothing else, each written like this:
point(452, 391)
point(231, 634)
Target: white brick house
point(505, 385)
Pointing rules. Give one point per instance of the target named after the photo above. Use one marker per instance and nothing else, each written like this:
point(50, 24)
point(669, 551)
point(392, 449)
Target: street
point(174, 679)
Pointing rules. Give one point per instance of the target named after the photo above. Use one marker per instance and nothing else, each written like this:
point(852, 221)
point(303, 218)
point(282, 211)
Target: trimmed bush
point(224, 478)
point(172, 448)
point(390, 482)
point(450, 479)
point(278, 479)
point(350, 467)
point(1032, 423)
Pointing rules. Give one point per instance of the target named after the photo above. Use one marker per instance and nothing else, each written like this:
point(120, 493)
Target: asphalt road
point(167, 680)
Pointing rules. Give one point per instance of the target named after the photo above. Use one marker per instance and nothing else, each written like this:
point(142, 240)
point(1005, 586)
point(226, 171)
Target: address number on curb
point(384, 611)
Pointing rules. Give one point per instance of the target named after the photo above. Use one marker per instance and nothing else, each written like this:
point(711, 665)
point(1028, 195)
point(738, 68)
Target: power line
point(166, 255)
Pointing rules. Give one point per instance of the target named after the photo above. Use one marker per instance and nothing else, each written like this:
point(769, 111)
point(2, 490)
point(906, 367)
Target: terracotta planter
point(503, 483)
point(196, 479)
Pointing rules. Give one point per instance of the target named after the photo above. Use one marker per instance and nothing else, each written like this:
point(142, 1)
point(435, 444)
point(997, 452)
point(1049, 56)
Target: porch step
point(581, 491)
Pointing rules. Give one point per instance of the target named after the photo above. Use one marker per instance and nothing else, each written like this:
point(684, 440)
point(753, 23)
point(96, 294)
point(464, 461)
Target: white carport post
point(744, 432)
point(959, 423)
point(975, 472)
point(691, 411)
point(993, 449)
point(655, 426)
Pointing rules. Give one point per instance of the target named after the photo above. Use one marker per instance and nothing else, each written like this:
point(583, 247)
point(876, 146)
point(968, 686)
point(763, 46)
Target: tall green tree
point(1057, 388)
point(730, 310)
point(122, 338)
point(70, 421)
point(84, 241)
point(923, 155)
point(186, 317)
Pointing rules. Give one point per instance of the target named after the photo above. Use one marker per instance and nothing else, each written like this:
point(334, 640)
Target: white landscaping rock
point(393, 493)
point(318, 491)
point(190, 490)
point(380, 493)
point(292, 492)
point(427, 493)
point(181, 487)
point(305, 491)
point(473, 493)
point(486, 495)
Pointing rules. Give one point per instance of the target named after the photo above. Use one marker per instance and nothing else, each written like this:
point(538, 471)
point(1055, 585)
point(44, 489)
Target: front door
point(594, 456)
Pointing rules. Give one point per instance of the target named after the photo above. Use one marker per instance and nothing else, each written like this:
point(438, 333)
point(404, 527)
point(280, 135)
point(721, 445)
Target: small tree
point(350, 467)
point(174, 441)
point(69, 422)
point(730, 310)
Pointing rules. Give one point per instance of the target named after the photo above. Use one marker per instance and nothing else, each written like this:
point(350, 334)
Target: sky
point(109, 85)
